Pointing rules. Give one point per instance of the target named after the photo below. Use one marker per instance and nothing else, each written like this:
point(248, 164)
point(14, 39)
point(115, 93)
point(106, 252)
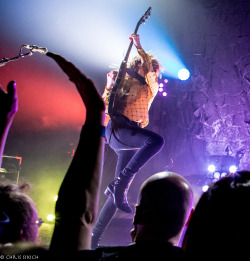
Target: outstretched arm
point(145, 58)
point(76, 207)
point(8, 109)
point(136, 40)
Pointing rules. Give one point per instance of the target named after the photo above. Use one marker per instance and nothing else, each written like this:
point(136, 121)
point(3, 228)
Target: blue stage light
point(183, 74)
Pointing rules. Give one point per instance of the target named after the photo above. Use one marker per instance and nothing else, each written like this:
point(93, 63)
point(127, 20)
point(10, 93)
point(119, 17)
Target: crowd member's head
point(219, 227)
point(164, 203)
point(18, 214)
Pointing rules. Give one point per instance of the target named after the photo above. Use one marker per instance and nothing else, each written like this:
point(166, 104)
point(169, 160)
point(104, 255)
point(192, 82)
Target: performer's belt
point(123, 121)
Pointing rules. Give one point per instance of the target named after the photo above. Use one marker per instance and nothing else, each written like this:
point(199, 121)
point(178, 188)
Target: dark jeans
point(134, 147)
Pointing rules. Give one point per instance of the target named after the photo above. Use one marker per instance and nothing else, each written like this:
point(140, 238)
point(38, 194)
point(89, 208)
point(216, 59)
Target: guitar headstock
point(145, 16)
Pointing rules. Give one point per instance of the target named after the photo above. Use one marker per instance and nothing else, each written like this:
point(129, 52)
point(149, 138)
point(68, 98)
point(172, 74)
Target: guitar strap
point(135, 75)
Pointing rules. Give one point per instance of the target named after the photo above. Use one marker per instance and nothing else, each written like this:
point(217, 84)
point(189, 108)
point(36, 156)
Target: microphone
point(35, 48)
point(3, 61)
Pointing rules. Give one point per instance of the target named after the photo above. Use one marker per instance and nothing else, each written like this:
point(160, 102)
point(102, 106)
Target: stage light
point(221, 165)
point(211, 168)
point(161, 85)
point(217, 175)
point(164, 94)
point(223, 174)
point(165, 80)
point(50, 217)
point(160, 89)
point(205, 188)
point(232, 169)
point(183, 74)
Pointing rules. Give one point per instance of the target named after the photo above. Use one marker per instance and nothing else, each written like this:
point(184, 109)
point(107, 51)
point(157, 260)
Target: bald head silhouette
point(164, 203)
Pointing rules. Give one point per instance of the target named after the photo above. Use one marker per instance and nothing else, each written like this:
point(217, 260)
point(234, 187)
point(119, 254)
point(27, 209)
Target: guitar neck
point(131, 44)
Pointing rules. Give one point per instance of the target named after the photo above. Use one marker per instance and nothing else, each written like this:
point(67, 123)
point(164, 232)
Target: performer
point(126, 135)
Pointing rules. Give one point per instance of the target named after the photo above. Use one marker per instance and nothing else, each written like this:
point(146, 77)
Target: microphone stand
point(6, 60)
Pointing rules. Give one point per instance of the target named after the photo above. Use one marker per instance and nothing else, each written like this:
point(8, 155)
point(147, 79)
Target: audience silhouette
point(219, 226)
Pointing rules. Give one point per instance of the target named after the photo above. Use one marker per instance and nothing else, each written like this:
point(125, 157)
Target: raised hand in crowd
point(8, 109)
point(77, 203)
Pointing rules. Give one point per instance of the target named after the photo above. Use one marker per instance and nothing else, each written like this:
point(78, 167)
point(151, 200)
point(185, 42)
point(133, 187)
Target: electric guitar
point(123, 66)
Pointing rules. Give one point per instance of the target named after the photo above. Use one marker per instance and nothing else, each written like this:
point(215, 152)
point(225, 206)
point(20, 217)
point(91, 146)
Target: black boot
point(109, 191)
point(118, 189)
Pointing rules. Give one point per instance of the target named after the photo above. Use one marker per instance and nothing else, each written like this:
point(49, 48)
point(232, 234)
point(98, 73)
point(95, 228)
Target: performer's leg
point(109, 209)
point(149, 144)
point(106, 215)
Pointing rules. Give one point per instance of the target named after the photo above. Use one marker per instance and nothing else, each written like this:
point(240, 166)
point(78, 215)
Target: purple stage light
point(205, 188)
point(211, 168)
point(232, 169)
point(217, 175)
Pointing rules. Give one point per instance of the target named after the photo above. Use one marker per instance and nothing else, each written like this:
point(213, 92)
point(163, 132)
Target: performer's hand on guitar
point(136, 40)
point(111, 77)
